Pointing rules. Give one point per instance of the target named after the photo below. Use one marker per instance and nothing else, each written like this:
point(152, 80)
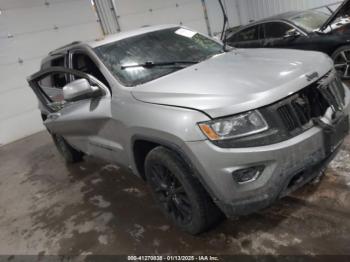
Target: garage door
point(133, 14)
point(28, 31)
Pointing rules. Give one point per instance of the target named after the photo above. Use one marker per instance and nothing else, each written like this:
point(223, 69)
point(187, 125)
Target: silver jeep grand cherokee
point(213, 132)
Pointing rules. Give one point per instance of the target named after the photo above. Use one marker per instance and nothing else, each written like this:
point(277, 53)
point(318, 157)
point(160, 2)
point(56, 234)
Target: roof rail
point(64, 47)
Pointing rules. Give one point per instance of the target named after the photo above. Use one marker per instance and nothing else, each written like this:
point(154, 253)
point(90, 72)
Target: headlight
point(234, 127)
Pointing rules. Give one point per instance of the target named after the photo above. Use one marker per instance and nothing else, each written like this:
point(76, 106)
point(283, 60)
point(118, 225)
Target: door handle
point(53, 116)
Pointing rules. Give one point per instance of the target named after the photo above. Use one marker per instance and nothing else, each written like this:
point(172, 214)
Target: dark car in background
point(306, 30)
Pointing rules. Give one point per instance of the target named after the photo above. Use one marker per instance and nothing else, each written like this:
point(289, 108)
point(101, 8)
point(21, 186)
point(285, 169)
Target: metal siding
point(216, 17)
point(132, 14)
point(107, 16)
point(29, 30)
point(258, 9)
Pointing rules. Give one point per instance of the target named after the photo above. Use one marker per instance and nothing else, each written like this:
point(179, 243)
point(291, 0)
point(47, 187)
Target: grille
point(298, 111)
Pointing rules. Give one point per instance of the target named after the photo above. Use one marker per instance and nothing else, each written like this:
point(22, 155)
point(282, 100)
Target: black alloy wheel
point(341, 59)
point(171, 194)
point(178, 192)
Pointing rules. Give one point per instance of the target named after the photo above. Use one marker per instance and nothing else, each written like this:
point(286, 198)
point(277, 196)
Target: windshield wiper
point(151, 64)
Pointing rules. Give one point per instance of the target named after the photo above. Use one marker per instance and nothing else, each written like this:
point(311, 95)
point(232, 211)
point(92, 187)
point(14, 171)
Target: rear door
point(79, 122)
point(247, 38)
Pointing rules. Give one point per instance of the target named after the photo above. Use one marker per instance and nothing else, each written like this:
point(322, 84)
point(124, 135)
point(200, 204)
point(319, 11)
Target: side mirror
point(293, 33)
point(80, 89)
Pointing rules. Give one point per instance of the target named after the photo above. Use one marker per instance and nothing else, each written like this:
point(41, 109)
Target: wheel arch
point(338, 47)
point(142, 145)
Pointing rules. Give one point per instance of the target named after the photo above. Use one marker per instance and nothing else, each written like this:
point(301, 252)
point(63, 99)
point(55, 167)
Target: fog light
point(247, 175)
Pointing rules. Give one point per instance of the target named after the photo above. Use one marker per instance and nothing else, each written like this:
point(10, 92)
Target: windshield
point(310, 20)
point(125, 58)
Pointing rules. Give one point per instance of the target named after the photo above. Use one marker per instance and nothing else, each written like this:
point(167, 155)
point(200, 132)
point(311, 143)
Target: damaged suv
point(213, 132)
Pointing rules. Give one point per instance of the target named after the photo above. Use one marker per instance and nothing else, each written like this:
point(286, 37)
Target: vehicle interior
point(84, 63)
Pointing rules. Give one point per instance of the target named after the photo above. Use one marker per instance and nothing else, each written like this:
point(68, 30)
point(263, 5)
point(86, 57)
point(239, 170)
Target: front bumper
point(303, 157)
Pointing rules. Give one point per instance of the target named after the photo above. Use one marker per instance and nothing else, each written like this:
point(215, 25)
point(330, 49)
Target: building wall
point(138, 13)
point(216, 16)
point(28, 31)
point(124, 15)
point(132, 14)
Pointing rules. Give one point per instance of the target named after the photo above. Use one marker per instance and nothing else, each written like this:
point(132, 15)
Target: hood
point(237, 81)
point(342, 11)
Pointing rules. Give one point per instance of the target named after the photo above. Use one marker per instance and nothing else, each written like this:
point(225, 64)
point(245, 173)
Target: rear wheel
point(70, 154)
point(178, 193)
point(341, 58)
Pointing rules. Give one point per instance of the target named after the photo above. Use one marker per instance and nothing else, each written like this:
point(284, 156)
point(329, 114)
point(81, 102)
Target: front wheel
point(178, 193)
point(341, 58)
point(70, 154)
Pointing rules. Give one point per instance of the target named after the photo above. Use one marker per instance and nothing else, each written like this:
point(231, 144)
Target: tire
point(178, 193)
point(69, 154)
point(341, 58)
